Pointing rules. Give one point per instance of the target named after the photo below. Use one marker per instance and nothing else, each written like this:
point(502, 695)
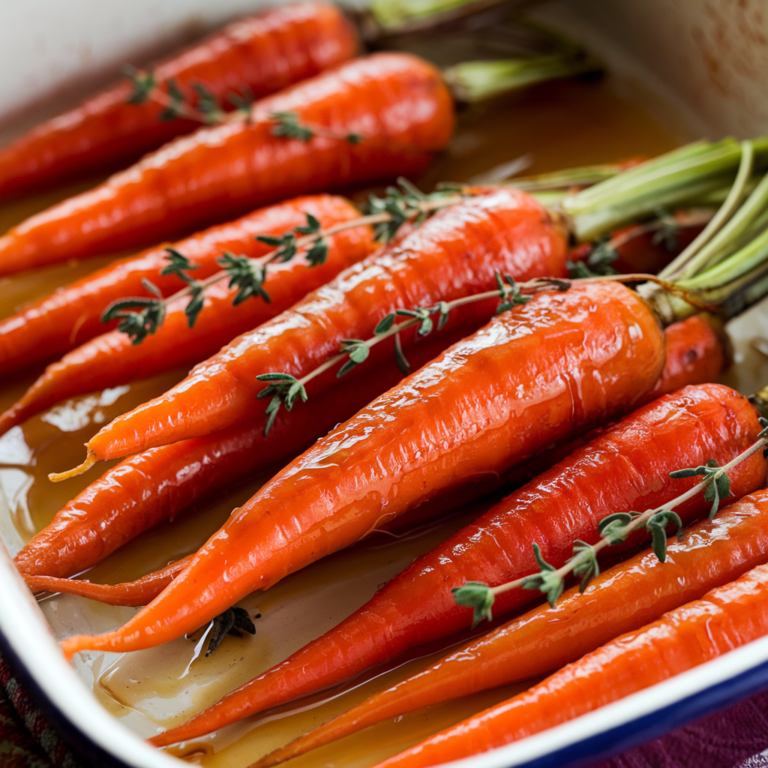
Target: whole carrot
point(453, 420)
point(620, 600)
point(155, 486)
point(395, 103)
point(112, 510)
point(263, 53)
point(625, 468)
point(725, 618)
point(111, 359)
point(72, 314)
point(453, 254)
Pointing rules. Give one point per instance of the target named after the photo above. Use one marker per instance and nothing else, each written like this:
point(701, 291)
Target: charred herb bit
point(614, 530)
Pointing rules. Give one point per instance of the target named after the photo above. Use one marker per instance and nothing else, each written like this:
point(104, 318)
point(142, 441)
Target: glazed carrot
point(725, 618)
point(263, 53)
point(448, 423)
point(155, 486)
point(72, 315)
point(453, 254)
point(111, 359)
point(620, 600)
point(625, 468)
point(398, 102)
point(82, 534)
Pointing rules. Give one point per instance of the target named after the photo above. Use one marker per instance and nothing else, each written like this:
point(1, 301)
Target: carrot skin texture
point(265, 52)
point(625, 468)
point(725, 618)
point(397, 101)
point(620, 600)
point(111, 359)
point(39, 558)
point(153, 487)
point(453, 254)
point(72, 315)
point(566, 356)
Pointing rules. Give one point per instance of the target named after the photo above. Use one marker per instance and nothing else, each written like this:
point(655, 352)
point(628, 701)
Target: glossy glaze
point(266, 52)
point(454, 254)
point(398, 101)
point(111, 359)
point(725, 618)
point(620, 600)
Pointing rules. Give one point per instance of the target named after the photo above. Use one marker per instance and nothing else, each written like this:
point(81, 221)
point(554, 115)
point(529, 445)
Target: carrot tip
point(90, 460)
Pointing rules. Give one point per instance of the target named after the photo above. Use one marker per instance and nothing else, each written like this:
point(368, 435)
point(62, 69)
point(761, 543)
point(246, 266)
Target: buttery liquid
point(557, 125)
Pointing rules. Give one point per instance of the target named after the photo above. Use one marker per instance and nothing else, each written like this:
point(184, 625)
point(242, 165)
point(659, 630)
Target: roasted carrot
point(627, 467)
point(157, 485)
point(396, 101)
point(725, 618)
point(111, 511)
point(111, 359)
point(263, 53)
point(452, 421)
point(72, 314)
point(453, 254)
point(620, 600)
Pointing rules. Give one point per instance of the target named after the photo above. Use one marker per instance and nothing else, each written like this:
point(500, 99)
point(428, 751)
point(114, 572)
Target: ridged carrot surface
point(725, 618)
point(620, 600)
point(265, 53)
point(563, 362)
point(72, 315)
point(397, 101)
point(625, 468)
point(453, 254)
point(157, 485)
point(111, 510)
point(112, 359)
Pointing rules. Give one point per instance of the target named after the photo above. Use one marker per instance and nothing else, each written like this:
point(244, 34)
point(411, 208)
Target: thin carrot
point(155, 486)
point(625, 468)
point(263, 53)
point(72, 315)
point(455, 253)
point(620, 600)
point(725, 618)
point(111, 359)
point(694, 352)
point(452, 421)
point(396, 101)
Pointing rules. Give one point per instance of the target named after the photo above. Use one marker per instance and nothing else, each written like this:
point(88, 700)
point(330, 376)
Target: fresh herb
point(614, 530)
point(289, 124)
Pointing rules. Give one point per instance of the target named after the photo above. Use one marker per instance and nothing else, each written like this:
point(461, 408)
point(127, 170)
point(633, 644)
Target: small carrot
point(395, 103)
point(72, 314)
point(451, 421)
point(263, 53)
point(111, 359)
point(620, 600)
point(453, 254)
point(694, 352)
point(725, 618)
point(627, 467)
point(155, 486)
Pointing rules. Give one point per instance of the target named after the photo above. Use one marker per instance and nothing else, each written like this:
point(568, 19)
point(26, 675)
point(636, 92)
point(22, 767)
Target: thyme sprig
point(283, 389)
point(141, 316)
point(614, 530)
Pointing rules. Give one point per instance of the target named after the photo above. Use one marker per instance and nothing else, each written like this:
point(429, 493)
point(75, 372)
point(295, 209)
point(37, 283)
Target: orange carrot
point(59, 550)
point(72, 314)
point(625, 468)
point(111, 359)
point(453, 254)
point(725, 618)
point(452, 421)
point(263, 53)
point(396, 101)
point(620, 600)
